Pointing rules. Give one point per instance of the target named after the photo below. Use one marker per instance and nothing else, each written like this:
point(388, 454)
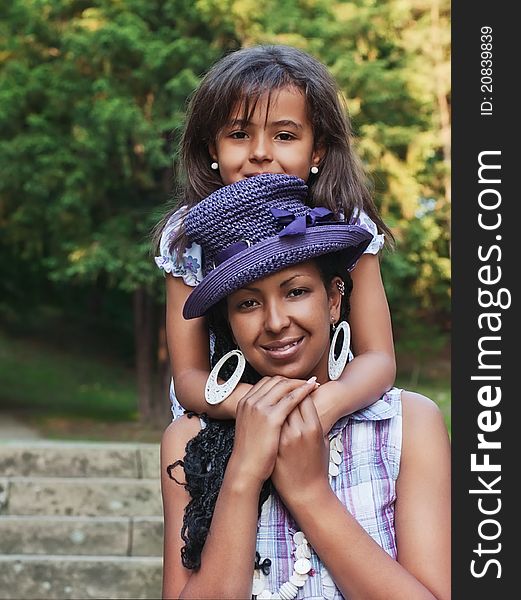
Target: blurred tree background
point(92, 100)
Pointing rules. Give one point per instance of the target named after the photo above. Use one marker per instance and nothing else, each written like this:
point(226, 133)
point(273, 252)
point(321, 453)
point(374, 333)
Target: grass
point(67, 393)
point(36, 377)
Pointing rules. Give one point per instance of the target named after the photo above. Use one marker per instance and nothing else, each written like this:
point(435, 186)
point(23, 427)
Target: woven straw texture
point(242, 212)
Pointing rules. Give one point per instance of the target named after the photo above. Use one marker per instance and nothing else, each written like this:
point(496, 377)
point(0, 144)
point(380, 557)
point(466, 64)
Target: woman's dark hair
point(207, 454)
point(244, 76)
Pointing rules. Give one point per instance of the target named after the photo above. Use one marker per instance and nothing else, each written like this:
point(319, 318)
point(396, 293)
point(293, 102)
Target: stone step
point(116, 536)
point(78, 459)
point(62, 577)
point(118, 497)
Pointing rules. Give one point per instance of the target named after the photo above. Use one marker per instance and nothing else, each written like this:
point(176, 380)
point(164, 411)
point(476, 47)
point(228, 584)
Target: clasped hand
point(278, 434)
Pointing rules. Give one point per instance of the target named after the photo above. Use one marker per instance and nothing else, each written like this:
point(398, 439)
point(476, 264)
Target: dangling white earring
point(335, 366)
point(214, 392)
point(314, 170)
point(214, 166)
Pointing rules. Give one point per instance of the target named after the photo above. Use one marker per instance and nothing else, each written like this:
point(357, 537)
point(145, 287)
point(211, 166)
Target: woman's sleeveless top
point(366, 486)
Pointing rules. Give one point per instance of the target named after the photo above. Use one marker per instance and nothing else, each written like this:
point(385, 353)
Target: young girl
point(275, 109)
point(268, 510)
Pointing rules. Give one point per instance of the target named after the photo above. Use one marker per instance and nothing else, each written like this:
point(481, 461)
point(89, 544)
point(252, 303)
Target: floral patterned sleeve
point(189, 264)
point(362, 219)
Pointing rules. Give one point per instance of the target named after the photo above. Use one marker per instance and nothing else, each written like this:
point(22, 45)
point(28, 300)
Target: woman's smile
point(285, 349)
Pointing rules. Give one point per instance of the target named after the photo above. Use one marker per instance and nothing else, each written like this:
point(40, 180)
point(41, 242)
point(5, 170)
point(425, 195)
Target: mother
point(265, 507)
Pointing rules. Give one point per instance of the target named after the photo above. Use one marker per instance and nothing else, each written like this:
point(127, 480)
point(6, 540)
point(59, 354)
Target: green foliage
point(91, 92)
point(93, 95)
point(391, 60)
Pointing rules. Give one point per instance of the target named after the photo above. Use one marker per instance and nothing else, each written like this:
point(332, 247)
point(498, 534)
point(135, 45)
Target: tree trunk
point(152, 365)
point(162, 413)
point(143, 319)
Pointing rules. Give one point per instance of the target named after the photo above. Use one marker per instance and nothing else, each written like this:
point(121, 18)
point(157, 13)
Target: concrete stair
point(80, 520)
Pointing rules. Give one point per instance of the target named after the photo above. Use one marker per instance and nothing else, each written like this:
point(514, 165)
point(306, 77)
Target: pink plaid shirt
point(372, 440)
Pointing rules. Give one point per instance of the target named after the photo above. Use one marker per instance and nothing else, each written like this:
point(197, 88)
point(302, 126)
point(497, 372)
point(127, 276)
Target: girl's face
point(274, 140)
point(282, 322)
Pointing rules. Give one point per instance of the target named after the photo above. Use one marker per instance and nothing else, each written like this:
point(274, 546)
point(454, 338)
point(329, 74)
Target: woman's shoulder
point(424, 429)
point(419, 409)
point(178, 434)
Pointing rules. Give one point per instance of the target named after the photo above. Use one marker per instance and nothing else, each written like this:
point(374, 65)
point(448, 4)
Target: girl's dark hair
point(207, 454)
point(244, 76)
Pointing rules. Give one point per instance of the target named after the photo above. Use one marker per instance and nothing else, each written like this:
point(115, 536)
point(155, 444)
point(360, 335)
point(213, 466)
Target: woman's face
point(277, 139)
point(282, 322)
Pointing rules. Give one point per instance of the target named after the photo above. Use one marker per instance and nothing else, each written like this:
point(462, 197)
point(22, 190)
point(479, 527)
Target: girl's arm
point(228, 555)
point(422, 518)
point(373, 369)
point(189, 350)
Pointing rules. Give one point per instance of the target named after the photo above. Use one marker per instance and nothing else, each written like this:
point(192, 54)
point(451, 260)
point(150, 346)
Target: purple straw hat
point(257, 226)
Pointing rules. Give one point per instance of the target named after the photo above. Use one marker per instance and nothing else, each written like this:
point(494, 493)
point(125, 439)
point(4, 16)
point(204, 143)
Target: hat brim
point(272, 255)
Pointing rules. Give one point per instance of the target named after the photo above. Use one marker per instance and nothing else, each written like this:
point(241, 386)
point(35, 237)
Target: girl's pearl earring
point(314, 170)
point(214, 166)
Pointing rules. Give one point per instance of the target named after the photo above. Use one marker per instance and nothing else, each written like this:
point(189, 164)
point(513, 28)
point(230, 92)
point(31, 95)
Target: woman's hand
point(261, 413)
point(303, 454)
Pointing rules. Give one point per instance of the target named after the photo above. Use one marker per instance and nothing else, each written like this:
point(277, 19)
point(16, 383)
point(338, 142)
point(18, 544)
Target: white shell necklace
point(302, 565)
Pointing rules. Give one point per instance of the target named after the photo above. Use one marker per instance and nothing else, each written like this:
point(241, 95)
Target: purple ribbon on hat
point(294, 225)
point(230, 251)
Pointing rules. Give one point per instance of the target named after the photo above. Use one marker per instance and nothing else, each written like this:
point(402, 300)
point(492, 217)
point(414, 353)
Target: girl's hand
point(326, 403)
point(260, 416)
point(303, 454)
